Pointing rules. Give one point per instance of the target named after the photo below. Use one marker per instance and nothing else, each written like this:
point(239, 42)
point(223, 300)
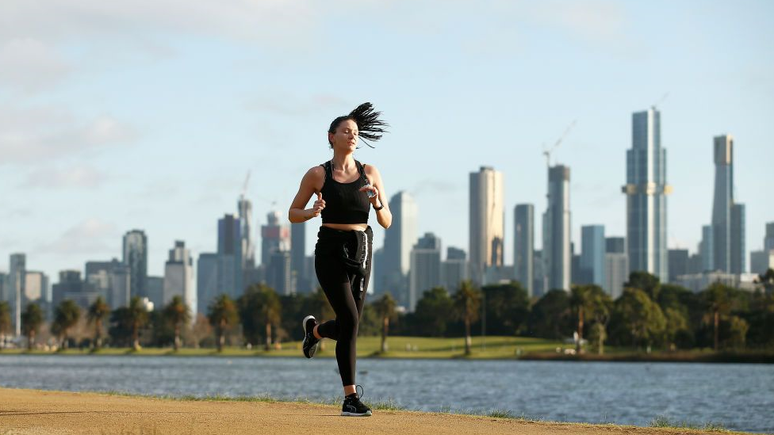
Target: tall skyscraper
point(487, 221)
point(275, 254)
point(616, 266)
point(179, 277)
point(274, 237)
point(646, 190)
point(455, 269)
point(206, 280)
point(768, 240)
point(678, 264)
point(727, 216)
point(230, 262)
point(524, 245)
point(738, 235)
point(706, 249)
point(425, 267)
point(245, 208)
point(392, 266)
point(557, 256)
point(16, 290)
point(71, 286)
point(593, 250)
point(297, 257)
point(111, 279)
point(136, 257)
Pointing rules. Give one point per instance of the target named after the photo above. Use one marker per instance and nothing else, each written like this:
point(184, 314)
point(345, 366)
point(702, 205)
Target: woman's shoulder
point(370, 169)
point(315, 174)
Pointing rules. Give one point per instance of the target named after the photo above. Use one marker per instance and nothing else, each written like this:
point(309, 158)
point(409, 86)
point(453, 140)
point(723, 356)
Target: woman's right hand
point(318, 205)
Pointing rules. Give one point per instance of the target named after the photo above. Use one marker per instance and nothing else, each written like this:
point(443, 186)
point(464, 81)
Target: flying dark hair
point(369, 125)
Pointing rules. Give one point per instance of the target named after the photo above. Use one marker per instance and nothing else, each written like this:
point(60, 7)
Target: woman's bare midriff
point(347, 227)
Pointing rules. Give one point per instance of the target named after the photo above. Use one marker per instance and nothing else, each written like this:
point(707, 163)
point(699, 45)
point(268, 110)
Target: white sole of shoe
point(313, 349)
point(354, 414)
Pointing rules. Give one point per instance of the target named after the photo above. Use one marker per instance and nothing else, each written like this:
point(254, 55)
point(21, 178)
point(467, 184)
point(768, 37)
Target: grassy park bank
point(53, 412)
point(525, 348)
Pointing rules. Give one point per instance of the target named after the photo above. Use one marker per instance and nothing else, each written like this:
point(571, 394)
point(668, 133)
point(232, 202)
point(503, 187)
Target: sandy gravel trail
point(54, 412)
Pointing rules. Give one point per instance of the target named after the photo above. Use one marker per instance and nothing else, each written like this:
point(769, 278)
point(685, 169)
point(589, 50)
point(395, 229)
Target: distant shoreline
point(751, 357)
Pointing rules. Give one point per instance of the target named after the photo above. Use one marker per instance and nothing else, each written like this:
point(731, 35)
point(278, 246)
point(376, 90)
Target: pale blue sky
point(146, 114)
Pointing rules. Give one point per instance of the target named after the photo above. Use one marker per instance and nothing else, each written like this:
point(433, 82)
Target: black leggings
point(336, 281)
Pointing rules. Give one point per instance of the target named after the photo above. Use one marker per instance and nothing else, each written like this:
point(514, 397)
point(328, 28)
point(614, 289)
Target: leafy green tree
point(639, 317)
point(767, 281)
point(31, 319)
point(551, 317)
point(385, 310)
point(507, 308)
point(66, 316)
point(223, 316)
point(761, 320)
point(598, 309)
point(178, 315)
point(98, 312)
point(5, 321)
point(431, 314)
point(646, 282)
point(717, 300)
point(259, 308)
point(137, 318)
point(467, 305)
point(292, 312)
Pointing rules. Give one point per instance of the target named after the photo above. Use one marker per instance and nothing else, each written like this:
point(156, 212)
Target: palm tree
point(717, 298)
point(177, 313)
point(137, 317)
point(385, 309)
point(66, 316)
point(270, 311)
point(579, 299)
point(31, 319)
point(467, 302)
point(223, 316)
point(5, 321)
point(98, 312)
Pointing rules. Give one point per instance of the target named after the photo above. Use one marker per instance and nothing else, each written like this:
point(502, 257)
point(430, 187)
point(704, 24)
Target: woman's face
point(345, 137)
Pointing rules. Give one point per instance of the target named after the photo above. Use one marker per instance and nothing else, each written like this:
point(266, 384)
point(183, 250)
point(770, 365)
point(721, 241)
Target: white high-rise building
point(392, 265)
point(179, 277)
point(487, 222)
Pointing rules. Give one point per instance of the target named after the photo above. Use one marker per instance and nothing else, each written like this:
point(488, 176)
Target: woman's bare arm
point(311, 184)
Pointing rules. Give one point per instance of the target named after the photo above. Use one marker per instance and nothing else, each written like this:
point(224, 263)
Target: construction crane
point(548, 152)
point(244, 187)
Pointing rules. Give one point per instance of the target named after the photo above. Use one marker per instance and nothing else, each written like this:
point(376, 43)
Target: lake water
point(738, 396)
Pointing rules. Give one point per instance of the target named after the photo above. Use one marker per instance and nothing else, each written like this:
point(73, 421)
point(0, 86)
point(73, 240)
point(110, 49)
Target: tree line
point(648, 314)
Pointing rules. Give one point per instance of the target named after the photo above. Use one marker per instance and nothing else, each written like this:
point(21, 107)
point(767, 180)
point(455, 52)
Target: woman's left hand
point(372, 192)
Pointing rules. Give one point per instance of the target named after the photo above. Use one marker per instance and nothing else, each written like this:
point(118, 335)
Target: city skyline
point(80, 143)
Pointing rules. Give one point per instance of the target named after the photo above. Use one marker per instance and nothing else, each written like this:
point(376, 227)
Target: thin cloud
point(269, 22)
point(91, 236)
point(29, 65)
point(74, 177)
point(34, 136)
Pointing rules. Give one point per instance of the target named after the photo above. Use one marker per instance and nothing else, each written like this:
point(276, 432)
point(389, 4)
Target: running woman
point(346, 190)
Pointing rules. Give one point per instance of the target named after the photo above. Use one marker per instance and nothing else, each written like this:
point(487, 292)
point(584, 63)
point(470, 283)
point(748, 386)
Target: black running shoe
point(310, 343)
point(353, 407)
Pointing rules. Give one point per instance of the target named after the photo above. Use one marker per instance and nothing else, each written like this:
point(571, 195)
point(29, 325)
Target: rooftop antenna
point(547, 152)
point(661, 100)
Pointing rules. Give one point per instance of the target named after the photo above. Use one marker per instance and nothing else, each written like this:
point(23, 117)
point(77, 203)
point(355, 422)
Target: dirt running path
point(49, 412)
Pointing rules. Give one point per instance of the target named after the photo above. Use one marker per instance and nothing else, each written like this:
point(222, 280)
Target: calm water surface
point(738, 396)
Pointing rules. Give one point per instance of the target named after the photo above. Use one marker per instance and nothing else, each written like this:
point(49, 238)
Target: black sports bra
point(344, 203)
